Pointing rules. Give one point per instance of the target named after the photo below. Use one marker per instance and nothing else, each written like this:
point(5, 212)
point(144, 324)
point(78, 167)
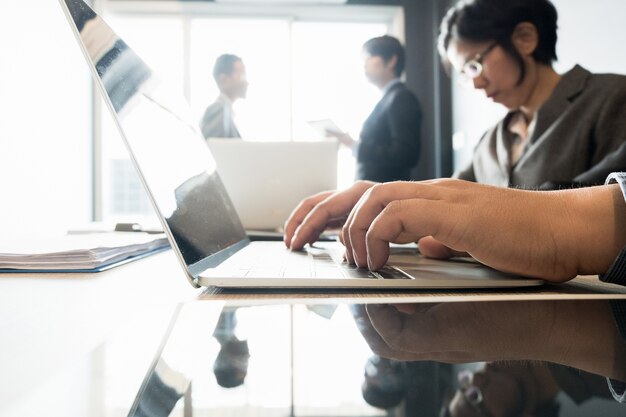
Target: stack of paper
point(76, 253)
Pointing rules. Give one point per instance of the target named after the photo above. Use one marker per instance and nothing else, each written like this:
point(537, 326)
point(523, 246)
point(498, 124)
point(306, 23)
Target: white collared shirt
point(390, 85)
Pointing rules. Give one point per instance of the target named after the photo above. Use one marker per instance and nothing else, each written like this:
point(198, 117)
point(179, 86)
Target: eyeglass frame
point(477, 61)
point(465, 385)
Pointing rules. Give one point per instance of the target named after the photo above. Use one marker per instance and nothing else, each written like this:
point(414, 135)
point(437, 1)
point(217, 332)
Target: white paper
point(325, 125)
point(84, 251)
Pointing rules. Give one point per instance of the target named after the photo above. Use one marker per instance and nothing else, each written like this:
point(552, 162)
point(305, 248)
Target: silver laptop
point(186, 190)
point(253, 171)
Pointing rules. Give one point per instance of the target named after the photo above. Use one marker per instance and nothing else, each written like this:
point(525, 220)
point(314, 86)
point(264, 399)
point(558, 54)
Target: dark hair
point(231, 364)
point(386, 47)
point(224, 65)
point(495, 20)
point(382, 397)
point(384, 385)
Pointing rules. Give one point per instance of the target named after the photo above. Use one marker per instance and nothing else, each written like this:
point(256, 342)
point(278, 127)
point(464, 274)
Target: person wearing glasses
point(522, 389)
point(560, 130)
point(575, 135)
point(524, 364)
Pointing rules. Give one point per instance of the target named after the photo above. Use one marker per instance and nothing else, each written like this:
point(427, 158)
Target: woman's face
point(500, 72)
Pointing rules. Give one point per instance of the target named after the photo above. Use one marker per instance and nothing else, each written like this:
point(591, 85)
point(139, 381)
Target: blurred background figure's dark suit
point(389, 144)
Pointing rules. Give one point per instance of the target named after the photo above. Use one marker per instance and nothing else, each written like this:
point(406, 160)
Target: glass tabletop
point(495, 359)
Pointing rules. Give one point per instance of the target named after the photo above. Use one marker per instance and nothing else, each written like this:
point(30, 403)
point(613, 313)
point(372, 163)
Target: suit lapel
point(571, 85)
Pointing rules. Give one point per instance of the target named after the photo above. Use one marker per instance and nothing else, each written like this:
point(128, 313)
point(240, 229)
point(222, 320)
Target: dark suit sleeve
point(404, 117)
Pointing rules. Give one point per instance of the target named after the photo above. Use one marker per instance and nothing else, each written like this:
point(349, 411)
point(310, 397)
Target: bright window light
point(265, 113)
point(298, 71)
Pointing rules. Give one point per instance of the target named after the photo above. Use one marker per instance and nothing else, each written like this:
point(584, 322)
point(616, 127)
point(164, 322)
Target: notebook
point(271, 166)
point(182, 181)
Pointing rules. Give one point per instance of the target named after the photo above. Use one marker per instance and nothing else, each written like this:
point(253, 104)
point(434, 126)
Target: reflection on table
point(523, 358)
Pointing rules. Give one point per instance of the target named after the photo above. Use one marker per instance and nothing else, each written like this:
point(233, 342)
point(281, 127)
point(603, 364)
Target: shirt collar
point(225, 99)
point(390, 85)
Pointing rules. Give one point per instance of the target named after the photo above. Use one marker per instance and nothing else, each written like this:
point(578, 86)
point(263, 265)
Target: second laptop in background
point(267, 180)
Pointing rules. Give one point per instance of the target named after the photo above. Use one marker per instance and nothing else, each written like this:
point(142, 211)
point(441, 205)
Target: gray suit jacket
point(579, 138)
point(218, 122)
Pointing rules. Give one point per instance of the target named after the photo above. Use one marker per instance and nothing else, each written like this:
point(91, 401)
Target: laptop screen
point(171, 157)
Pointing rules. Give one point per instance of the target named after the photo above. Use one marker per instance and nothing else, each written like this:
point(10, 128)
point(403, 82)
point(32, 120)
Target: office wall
point(591, 34)
point(45, 127)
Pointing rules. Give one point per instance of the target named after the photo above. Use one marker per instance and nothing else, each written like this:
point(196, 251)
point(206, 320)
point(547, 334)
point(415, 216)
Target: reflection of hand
point(554, 235)
point(581, 334)
point(314, 214)
point(442, 332)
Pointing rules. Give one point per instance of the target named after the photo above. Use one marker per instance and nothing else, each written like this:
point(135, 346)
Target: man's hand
point(319, 212)
point(574, 332)
point(554, 235)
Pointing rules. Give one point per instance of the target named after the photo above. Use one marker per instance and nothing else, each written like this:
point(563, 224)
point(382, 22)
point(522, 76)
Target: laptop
point(270, 166)
point(182, 181)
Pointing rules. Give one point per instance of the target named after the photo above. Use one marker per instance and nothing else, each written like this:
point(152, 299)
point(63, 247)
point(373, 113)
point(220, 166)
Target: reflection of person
point(389, 143)
point(586, 335)
point(582, 334)
point(501, 389)
point(231, 364)
point(229, 73)
point(384, 382)
point(555, 235)
point(561, 130)
point(163, 389)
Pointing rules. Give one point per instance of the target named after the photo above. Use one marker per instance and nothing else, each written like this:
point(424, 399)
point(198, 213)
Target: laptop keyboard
point(265, 261)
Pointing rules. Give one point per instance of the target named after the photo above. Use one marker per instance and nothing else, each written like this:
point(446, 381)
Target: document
point(91, 252)
point(325, 126)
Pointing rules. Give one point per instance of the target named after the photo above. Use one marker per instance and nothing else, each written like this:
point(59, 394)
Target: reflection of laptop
point(266, 180)
point(180, 177)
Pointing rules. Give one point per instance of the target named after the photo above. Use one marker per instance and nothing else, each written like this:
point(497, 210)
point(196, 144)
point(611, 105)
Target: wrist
point(601, 219)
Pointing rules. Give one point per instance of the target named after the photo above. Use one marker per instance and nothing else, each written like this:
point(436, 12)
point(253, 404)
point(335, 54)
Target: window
point(264, 114)
point(45, 133)
point(298, 69)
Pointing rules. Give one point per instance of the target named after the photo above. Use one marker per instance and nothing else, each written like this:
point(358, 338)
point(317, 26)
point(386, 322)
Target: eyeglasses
point(473, 68)
point(472, 394)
